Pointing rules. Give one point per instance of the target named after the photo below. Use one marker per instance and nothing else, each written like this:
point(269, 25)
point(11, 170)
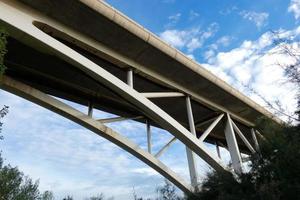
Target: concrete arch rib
point(21, 27)
point(52, 104)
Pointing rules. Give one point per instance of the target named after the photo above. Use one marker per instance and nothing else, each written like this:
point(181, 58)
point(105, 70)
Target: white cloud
point(193, 44)
point(174, 37)
point(81, 163)
point(193, 15)
point(209, 53)
point(255, 63)
point(228, 10)
point(191, 56)
point(224, 41)
point(173, 19)
point(69, 159)
point(260, 19)
point(145, 171)
point(188, 39)
point(213, 48)
point(294, 7)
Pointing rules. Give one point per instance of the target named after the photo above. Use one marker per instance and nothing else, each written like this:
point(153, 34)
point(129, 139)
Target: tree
point(15, 186)
point(168, 192)
point(276, 168)
point(223, 186)
point(274, 171)
point(165, 192)
point(99, 197)
point(282, 46)
point(288, 48)
point(68, 198)
point(3, 112)
point(135, 197)
point(47, 195)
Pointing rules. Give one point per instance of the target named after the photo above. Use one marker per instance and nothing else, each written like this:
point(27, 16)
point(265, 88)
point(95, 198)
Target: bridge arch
point(21, 26)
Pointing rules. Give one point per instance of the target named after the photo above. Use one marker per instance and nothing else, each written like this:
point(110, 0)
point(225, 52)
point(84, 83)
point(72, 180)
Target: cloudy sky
point(233, 39)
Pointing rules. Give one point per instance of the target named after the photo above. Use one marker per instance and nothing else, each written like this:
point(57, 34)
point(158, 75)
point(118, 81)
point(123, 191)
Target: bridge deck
point(124, 44)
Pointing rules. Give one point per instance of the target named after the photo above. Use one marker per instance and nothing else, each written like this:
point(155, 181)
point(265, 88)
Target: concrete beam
point(162, 94)
point(256, 145)
point(233, 147)
point(149, 136)
point(118, 119)
point(99, 49)
point(130, 77)
point(54, 105)
point(210, 128)
point(20, 26)
point(192, 162)
point(90, 109)
point(239, 132)
point(164, 148)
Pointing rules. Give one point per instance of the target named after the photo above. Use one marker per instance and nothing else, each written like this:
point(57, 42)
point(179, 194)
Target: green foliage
point(47, 195)
point(274, 173)
point(165, 192)
point(276, 169)
point(223, 186)
point(3, 50)
point(3, 112)
point(15, 186)
point(99, 197)
point(68, 198)
point(168, 192)
point(135, 197)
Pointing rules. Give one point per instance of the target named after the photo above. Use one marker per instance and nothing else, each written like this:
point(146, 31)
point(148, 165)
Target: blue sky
point(237, 20)
point(229, 38)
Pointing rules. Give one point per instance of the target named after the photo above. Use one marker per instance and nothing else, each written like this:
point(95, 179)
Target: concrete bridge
point(87, 52)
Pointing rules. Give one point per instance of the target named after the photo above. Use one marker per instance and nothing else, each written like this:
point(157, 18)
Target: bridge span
point(87, 52)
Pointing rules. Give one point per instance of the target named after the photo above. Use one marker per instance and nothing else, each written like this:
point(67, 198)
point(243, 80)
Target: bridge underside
point(56, 77)
point(60, 58)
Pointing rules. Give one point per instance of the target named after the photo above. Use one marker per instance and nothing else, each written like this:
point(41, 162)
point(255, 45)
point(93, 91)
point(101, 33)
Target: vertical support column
point(256, 145)
point(149, 137)
point(218, 150)
point(90, 109)
point(130, 78)
point(190, 154)
point(233, 146)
